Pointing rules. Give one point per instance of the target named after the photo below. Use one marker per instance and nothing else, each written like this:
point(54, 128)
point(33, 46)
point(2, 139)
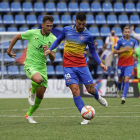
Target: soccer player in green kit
point(35, 63)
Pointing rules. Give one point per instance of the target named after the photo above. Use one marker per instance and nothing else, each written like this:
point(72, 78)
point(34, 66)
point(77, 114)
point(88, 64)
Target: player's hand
point(103, 67)
point(134, 51)
point(132, 27)
point(45, 47)
point(11, 54)
point(46, 53)
point(126, 48)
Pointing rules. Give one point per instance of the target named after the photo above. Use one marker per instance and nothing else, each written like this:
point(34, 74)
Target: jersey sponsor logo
point(131, 43)
point(40, 48)
point(81, 37)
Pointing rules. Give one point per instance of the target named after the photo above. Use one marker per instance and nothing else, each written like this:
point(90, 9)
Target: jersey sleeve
point(26, 35)
point(117, 45)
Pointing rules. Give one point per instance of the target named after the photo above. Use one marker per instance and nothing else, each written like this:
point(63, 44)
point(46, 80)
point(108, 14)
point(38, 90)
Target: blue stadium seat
point(12, 29)
point(96, 7)
point(31, 19)
point(4, 71)
point(90, 19)
point(8, 59)
point(38, 7)
point(137, 30)
point(50, 7)
point(58, 57)
point(138, 7)
point(134, 19)
point(94, 31)
point(73, 19)
point(59, 70)
point(4, 7)
point(1, 58)
point(118, 7)
point(22, 29)
point(2, 29)
point(20, 19)
point(36, 27)
point(25, 42)
point(56, 19)
point(61, 46)
point(84, 7)
point(6, 45)
point(130, 7)
point(0, 19)
point(18, 45)
point(50, 70)
point(105, 31)
point(100, 19)
point(112, 72)
point(21, 71)
point(73, 7)
point(18, 54)
point(27, 7)
point(99, 70)
point(100, 43)
point(8, 19)
point(40, 18)
point(118, 31)
point(59, 28)
point(112, 19)
point(15, 7)
point(123, 19)
point(13, 70)
point(62, 7)
point(66, 19)
point(107, 7)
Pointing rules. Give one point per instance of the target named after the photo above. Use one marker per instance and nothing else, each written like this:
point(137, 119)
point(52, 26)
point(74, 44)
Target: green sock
point(139, 86)
point(35, 86)
point(33, 108)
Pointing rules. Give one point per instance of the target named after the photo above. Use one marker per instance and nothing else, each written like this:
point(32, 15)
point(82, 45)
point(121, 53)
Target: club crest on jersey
point(81, 37)
point(131, 43)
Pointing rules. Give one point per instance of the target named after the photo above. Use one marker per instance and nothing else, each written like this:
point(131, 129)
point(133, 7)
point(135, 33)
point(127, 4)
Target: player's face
point(80, 25)
point(127, 33)
point(47, 27)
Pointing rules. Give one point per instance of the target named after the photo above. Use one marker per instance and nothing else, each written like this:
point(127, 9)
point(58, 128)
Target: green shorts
point(138, 71)
point(30, 71)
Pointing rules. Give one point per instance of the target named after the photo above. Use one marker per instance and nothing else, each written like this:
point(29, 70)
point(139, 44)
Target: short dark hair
point(80, 16)
point(48, 17)
point(126, 27)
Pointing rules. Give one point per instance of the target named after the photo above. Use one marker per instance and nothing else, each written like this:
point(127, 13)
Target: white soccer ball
point(88, 112)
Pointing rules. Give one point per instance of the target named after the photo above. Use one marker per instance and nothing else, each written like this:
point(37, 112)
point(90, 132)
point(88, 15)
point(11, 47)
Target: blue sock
point(96, 95)
point(79, 102)
point(119, 86)
point(125, 90)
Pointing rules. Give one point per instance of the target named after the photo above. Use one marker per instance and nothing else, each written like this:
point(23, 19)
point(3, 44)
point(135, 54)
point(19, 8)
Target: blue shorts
point(74, 75)
point(125, 71)
point(135, 64)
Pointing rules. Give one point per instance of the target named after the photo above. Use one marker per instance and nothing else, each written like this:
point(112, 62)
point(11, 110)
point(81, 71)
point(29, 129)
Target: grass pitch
point(58, 119)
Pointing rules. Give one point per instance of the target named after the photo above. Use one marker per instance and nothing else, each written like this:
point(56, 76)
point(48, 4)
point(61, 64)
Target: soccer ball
point(88, 112)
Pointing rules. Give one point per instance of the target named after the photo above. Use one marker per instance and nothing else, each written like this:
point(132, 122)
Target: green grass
point(58, 119)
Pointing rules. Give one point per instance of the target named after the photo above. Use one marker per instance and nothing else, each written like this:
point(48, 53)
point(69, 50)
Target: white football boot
point(85, 121)
point(102, 101)
point(29, 118)
point(31, 98)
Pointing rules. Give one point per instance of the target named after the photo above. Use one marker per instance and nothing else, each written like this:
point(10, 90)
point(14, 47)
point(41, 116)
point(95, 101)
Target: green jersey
point(35, 51)
point(137, 54)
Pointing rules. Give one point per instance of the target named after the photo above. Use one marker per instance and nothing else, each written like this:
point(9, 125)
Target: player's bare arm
point(47, 52)
point(52, 56)
point(120, 51)
point(13, 42)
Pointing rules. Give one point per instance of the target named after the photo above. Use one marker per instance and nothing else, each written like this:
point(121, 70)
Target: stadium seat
point(105, 31)
point(112, 19)
point(56, 19)
point(13, 70)
point(27, 7)
point(90, 19)
point(100, 43)
point(58, 57)
point(22, 29)
point(94, 31)
point(100, 19)
point(21, 71)
point(3, 70)
point(40, 18)
point(73, 7)
point(118, 7)
point(20, 19)
point(25, 42)
point(99, 70)
point(31, 19)
point(130, 7)
point(50, 70)
point(4, 7)
point(134, 19)
point(38, 7)
point(84, 7)
point(5, 45)
point(18, 54)
point(50, 7)
point(107, 7)
point(12, 29)
point(123, 19)
point(61, 46)
point(8, 59)
point(8, 19)
point(15, 7)
point(138, 7)
point(59, 70)
point(0, 19)
point(73, 19)
point(2, 29)
point(59, 28)
point(66, 19)
point(36, 27)
point(62, 7)
point(112, 72)
point(1, 58)
point(118, 31)
point(96, 7)
point(137, 30)
point(18, 45)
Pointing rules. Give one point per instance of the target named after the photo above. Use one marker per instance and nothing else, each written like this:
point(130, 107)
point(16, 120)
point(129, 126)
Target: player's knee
point(75, 92)
point(40, 96)
point(39, 80)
